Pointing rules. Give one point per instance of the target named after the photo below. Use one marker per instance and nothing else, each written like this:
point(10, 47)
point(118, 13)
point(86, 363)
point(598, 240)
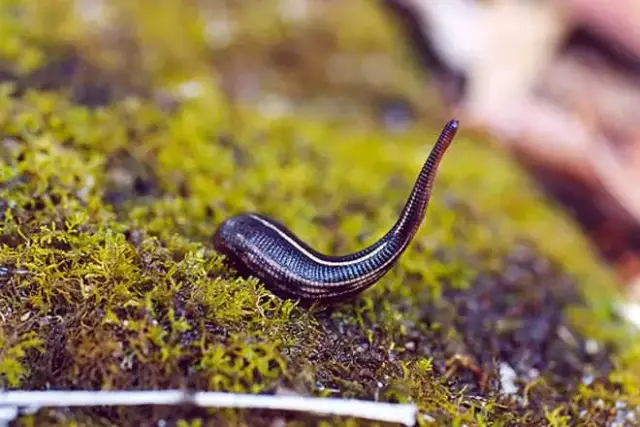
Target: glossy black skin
point(258, 246)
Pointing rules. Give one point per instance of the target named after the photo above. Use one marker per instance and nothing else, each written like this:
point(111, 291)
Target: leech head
point(446, 136)
point(450, 129)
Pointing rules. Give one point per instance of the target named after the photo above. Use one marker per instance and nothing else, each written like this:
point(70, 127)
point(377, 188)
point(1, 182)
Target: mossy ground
point(109, 195)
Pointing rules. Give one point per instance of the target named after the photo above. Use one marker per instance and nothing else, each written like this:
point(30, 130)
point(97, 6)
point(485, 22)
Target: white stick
point(388, 412)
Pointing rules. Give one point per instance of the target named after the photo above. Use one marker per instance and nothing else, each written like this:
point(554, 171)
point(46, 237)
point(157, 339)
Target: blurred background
point(554, 83)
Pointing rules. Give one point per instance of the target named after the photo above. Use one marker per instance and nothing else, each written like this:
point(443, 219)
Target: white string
point(11, 401)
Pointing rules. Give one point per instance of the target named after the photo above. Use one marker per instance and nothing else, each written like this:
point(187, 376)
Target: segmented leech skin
point(258, 246)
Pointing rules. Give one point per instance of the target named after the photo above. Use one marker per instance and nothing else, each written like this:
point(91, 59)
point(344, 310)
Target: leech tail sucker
point(259, 246)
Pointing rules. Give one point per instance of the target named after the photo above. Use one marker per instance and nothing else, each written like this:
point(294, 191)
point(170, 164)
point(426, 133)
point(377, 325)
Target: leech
point(258, 246)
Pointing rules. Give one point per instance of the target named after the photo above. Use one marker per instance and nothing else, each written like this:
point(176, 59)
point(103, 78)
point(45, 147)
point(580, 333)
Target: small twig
point(379, 411)
point(458, 360)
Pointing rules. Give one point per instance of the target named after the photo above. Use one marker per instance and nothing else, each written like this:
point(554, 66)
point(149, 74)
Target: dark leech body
point(258, 246)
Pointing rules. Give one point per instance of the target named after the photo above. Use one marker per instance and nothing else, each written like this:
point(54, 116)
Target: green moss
point(14, 350)
point(104, 248)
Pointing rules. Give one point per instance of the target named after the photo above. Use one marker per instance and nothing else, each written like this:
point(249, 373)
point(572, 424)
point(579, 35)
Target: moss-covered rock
point(108, 281)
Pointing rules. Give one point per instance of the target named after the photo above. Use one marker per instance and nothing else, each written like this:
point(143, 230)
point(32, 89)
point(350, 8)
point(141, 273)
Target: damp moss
point(108, 280)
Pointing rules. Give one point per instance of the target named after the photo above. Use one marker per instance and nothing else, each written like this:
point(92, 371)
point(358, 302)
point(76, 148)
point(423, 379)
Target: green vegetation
point(109, 194)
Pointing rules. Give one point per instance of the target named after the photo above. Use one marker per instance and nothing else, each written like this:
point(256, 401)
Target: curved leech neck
point(413, 212)
point(415, 208)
